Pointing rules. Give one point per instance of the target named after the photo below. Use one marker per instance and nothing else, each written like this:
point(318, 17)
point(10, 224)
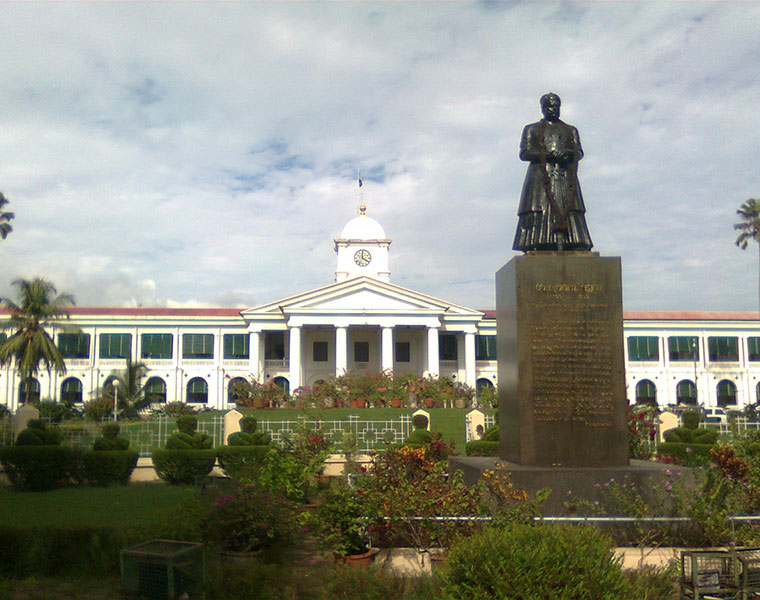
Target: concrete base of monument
point(570, 483)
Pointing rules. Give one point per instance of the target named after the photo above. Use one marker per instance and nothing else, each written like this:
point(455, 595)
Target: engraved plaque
point(560, 355)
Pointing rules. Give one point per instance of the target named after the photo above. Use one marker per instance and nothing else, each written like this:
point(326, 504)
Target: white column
point(295, 358)
point(386, 349)
point(341, 347)
point(469, 359)
point(254, 357)
point(432, 352)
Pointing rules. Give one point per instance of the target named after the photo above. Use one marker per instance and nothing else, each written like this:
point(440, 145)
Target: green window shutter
point(447, 346)
point(485, 347)
point(361, 352)
point(723, 349)
point(643, 348)
point(753, 349)
point(402, 352)
point(683, 348)
point(115, 345)
point(74, 345)
point(156, 345)
point(236, 345)
point(198, 345)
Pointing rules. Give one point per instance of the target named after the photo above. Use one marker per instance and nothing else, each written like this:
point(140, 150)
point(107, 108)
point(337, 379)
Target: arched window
point(34, 391)
point(237, 389)
point(482, 384)
point(282, 383)
point(686, 392)
point(197, 391)
point(646, 392)
point(726, 393)
point(155, 391)
point(71, 390)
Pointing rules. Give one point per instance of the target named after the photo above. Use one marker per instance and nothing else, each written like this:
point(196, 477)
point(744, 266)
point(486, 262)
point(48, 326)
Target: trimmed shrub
point(37, 433)
point(753, 448)
point(419, 422)
point(235, 459)
point(687, 454)
point(37, 468)
point(248, 436)
point(183, 467)
point(111, 439)
point(104, 467)
point(535, 562)
point(491, 434)
point(419, 436)
point(687, 435)
point(187, 438)
point(482, 448)
point(691, 419)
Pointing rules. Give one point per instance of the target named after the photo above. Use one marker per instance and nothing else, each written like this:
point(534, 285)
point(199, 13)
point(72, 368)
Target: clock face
point(362, 257)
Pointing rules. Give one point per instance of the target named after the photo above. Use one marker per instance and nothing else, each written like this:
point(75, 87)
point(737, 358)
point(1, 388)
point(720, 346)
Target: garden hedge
point(183, 467)
point(482, 448)
point(104, 467)
point(37, 468)
point(234, 459)
point(687, 454)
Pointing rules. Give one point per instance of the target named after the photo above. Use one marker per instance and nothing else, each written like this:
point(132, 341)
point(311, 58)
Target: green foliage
point(183, 467)
point(37, 433)
point(248, 436)
point(247, 518)
point(237, 460)
point(111, 439)
point(286, 473)
point(130, 396)
point(642, 430)
point(690, 419)
point(55, 412)
point(178, 409)
point(692, 455)
point(686, 435)
point(5, 218)
point(99, 409)
point(491, 434)
point(341, 521)
point(38, 309)
point(420, 421)
point(187, 438)
point(419, 436)
point(482, 448)
point(104, 467)
point(37, 467)
point(532, 562)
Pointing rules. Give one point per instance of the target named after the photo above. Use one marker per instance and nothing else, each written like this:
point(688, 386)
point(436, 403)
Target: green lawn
point(132, 505)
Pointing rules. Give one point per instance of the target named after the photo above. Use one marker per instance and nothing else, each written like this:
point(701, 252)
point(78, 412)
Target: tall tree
point(39, 308)
point(131, 390)
point(5, 218)
point(749, 226)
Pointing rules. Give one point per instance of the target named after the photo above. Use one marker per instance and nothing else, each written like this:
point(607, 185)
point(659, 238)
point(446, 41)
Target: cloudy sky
point(200, 154)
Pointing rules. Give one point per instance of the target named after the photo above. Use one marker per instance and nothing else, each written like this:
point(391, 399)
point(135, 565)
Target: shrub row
point(482, 448)
point(39, 468)
point(686, 454)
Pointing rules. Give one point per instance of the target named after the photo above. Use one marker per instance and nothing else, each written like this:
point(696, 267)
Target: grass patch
point(135, 505)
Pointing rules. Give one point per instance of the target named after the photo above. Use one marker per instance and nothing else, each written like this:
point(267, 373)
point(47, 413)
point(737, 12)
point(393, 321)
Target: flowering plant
point(248, 518)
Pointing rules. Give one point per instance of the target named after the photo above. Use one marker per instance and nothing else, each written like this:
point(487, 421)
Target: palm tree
point(5, 218)
point(749, 226)
point(131, 388)
point(30, 344)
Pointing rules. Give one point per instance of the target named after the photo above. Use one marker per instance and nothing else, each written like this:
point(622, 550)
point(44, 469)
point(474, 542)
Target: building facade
point(363, 322)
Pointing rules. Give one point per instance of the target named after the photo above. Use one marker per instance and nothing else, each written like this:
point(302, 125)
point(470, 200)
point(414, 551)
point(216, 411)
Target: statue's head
point(550, 104)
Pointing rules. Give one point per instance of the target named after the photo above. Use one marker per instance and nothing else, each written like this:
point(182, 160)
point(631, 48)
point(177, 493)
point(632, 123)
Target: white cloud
point(212, 148)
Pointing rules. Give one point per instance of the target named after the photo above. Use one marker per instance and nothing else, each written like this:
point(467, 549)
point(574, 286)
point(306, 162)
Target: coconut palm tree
point(131, 392)
point(5, 218)
point(39, 308)
point(749, 226)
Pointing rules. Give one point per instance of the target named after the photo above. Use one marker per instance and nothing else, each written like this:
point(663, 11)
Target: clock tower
point(362, 249)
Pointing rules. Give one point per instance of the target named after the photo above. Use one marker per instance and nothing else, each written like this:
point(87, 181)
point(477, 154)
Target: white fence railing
point(369, 434)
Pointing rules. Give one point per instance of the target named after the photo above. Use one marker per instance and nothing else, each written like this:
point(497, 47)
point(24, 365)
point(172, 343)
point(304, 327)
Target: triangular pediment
point(361, 294)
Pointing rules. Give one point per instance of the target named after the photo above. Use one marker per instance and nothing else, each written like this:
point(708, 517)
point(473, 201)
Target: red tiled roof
point(158, 311)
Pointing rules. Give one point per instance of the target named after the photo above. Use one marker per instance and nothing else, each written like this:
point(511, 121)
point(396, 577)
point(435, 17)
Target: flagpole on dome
point(362, 206)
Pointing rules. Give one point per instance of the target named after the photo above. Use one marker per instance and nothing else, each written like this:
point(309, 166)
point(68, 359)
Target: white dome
point(363, 228)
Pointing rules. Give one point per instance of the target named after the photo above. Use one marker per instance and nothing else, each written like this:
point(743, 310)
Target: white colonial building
point(363, 322)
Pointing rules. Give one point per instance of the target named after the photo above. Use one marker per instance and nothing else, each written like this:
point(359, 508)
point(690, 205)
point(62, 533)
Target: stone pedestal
point(561, 373)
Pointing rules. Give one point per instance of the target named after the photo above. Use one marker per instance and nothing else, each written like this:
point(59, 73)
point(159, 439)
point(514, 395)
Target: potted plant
point(342, 526)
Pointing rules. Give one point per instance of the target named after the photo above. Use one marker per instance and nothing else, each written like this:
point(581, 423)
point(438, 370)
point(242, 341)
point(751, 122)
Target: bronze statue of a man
point(551, 212)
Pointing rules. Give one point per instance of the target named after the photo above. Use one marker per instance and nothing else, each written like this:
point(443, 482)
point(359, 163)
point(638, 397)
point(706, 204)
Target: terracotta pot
point(396, 402)
point(429, 402)
point(259, 403)
point(360, 403)
point(460, 403)
point(358, 561)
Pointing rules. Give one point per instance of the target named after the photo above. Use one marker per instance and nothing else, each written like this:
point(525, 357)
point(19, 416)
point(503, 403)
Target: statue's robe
point(537, 228)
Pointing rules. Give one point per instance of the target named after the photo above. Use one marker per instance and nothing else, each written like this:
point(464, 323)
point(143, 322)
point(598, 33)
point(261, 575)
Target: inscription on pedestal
point(561, 389)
